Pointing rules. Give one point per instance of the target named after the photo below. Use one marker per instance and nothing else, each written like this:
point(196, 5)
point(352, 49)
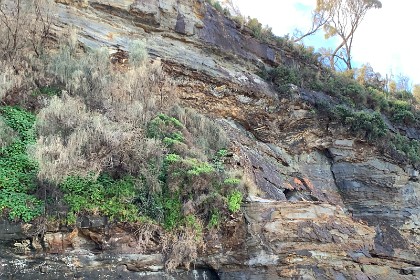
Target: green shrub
point(173, 211)
point(219, 160)
point(217, 6)
point(172, 158)
point(20, 121)
point(106, 196)
point(20, 205)
point(255, 26)
point(411, 148)
point(234, 201)
point(370, 123)
point(215, 219)
point(164, 126)
point(377, 100)
point(232, 181)
point(173, 138)
point(198, 168)
point(17, 170)
point(400, 111)
point(283, 76)
point(48, 91)
point(195, 224)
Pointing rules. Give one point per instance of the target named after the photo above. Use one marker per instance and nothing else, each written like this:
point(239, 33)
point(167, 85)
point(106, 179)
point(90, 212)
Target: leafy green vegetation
point(410, 148)
point(232, 181)
point(113, 198)
point(17, 171)
point(122, 199)
point(216, 4)
point(165, 128)
point(215, 219)
point(48, 91)
point(400, 112)
point(21, 121)
point(187, 180)
point(235, 201)
point(370, 123)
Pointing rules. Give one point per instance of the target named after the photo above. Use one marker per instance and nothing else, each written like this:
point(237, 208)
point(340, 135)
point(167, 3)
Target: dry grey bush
point(9, 79)
point(138, 94)
point(129, 95)
point(24, 25)
point(101, 125)
point(87, 76)
point(182, 247)
point(69, 136)
point(207, 134)
point(137, 51)
point(7, 135)
point(75, 141)
point(24, 29)
point(149, 235)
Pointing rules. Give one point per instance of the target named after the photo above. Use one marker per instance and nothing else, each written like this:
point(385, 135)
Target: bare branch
point(344, 18)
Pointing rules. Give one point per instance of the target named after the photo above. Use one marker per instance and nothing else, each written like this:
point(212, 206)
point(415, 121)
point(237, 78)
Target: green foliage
point(222, 153)
point(106, 196)
point(185, 178)
point(283, 76)
point(194, 223)
point(377, 100)
point(20, 205)
point(353, 96)
point(400, 111)
point(232, 181)
point(173, 138)
point(255, 26)
point(371, 123)
point(234, 201)
point(48, 91)
point(173, 211)
point(219, 159)
point(165, 128)
point(170, 120)
point(17, 171)
point(215, 219)
point(19, 120)
point(198, 168)
point(411, 148)
point(217, 6)
point(172, 158)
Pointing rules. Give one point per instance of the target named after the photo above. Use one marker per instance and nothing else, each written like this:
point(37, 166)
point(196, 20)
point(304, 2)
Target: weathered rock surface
point(322, 205)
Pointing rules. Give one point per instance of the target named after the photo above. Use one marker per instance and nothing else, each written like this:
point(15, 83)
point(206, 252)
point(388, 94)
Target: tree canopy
point(340, 18)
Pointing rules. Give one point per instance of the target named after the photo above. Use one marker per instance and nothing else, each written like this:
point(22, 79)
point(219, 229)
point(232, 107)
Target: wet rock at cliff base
point(10, 230)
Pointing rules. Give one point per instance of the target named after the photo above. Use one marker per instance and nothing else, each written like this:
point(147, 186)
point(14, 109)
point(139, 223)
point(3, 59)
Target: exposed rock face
point(325, 206)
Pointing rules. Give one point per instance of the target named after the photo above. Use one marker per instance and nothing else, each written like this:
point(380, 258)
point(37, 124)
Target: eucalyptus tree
point(340, 18)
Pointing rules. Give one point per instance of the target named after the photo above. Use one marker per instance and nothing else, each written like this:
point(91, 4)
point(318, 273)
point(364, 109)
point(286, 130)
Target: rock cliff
point(324, 205)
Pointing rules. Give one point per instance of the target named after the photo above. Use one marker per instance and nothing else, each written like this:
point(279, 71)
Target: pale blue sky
point(386, 38)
